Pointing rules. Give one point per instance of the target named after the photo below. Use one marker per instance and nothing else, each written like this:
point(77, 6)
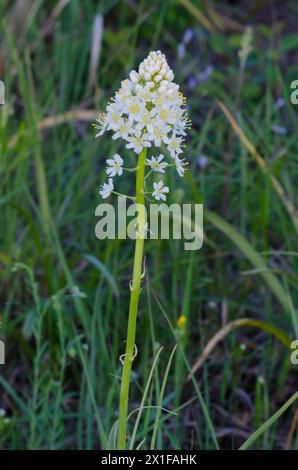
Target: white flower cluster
point(147, 111)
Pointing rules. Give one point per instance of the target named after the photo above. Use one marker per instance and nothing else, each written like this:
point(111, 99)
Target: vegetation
point(214, 326)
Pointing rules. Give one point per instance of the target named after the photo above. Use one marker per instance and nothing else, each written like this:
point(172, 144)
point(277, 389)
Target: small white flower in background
point(261, 380)
point(148, 111)
point(106, 189)
point(160, 191)
point(115, 165)
point(156, 164)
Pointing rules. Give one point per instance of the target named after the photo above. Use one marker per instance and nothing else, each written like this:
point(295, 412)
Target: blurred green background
point(64, 294)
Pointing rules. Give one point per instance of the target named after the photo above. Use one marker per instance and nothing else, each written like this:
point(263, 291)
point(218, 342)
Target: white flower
point(155, 69)
point(167, 113)
point(101, 124)
point(134, 76)
point(106, 189)
point(159, 132)
point(138, 141)
point(159, 191)
point(147, 103)
point(148, 110)
point(122, 130)
point(115, 165)
point(180, 166)
point(157, 164)
point(124, 93)
point(135, 108)
point(113, 116)
point(145, 92)
point(174, 145)
point(145, 121)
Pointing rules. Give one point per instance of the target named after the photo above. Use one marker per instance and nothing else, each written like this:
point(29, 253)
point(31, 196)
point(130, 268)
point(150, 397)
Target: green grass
point(64, 294)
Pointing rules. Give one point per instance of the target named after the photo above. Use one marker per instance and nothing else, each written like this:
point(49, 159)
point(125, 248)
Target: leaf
point(248, 250)
point(142, 405)
point(112, 439)
point(289, 43)
point(198, 15)
point(268, 423)
point(160, 399)
point(103, 270)
point(29, 324)
point(277, 332)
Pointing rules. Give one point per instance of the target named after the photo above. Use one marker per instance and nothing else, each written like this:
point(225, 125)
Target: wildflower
point(135, 109)
point(159, 191)
point(106, 189)
point(174, 145)
point(279, 129)
point(147, 111)
point(181, 322)
point(123, 130)
point(180, 166)
point(157, 164)
point(113, 117)
point(115, 165)
point(159, 133)
point(101, 124)
point(203, 77)
point(188, 35)
point(138, 141)
point(202, 161)
point(181, 50)
point(145, 121)
point(192, 82)
point(280, 103)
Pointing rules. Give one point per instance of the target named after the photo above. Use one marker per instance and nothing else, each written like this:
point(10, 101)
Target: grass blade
point(262, 164)
point(278, 333)
point(163, 387)
point(135, 429)
point(268, 423)
point(248, 250)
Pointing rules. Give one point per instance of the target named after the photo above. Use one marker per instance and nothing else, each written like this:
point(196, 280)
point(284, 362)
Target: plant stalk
point(134, 300)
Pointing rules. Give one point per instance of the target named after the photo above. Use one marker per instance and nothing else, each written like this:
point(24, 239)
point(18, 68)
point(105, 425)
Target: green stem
point(134, 300)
